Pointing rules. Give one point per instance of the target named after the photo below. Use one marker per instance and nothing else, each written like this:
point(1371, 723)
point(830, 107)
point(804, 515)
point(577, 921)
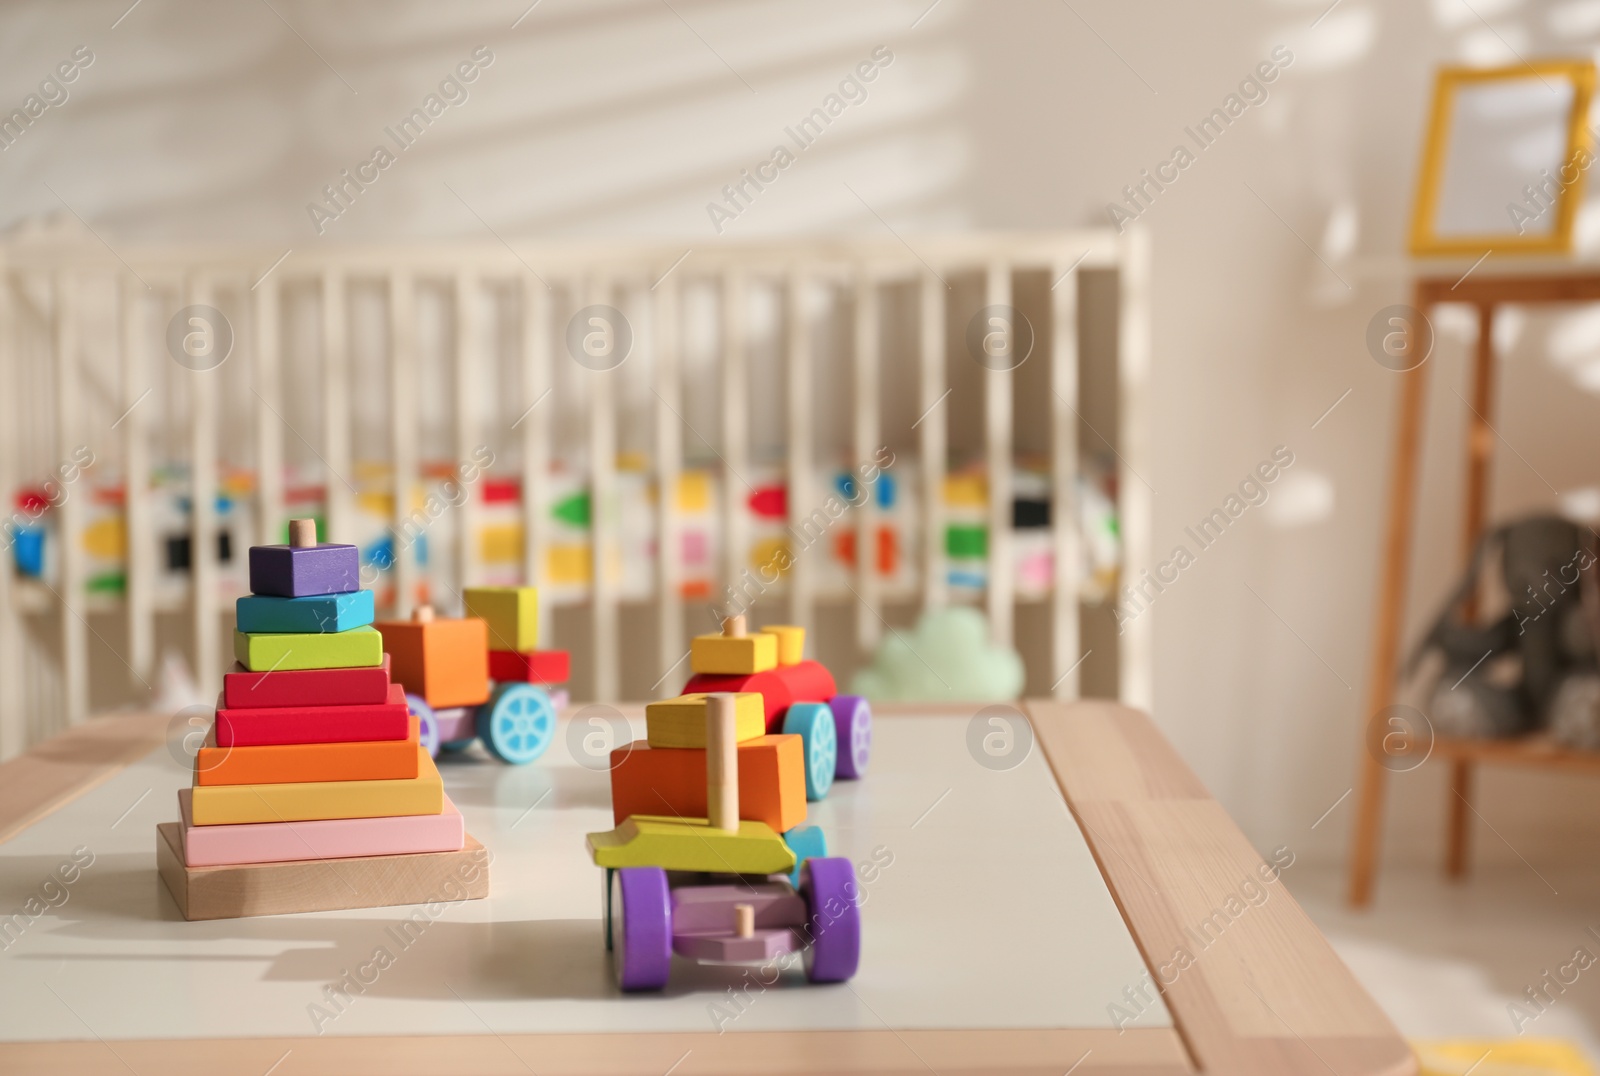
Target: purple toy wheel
point(829, 886)
point(427, 724)
point(852, 718)
point(641, 928)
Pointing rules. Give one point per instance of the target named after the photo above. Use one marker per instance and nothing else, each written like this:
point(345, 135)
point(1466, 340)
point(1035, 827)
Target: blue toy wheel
point(813, 723)
point(517, 723)
point(428, 724)
point(806, 842)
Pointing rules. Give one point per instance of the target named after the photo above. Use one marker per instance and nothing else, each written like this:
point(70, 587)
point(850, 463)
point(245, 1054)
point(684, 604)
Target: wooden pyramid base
point(318, 885)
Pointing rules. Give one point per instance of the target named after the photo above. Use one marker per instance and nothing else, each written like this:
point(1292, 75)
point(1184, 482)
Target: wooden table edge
point(52, 774)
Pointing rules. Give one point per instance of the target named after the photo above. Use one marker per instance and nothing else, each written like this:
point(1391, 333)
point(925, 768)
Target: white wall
point(221, 122)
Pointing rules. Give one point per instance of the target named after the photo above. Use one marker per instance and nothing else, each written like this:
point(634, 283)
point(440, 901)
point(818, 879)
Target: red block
point(245, 690)
point(533, 667)
point(253, 727)
point(809, 681)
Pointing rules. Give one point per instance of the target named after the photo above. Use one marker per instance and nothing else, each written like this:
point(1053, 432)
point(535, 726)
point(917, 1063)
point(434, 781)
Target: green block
point(573, 510)
point(512, 613)
point(354, 649)
point(691, 844)
point(962, 540)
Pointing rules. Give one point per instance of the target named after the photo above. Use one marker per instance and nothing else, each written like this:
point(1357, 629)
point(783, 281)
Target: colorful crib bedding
point(497, 531)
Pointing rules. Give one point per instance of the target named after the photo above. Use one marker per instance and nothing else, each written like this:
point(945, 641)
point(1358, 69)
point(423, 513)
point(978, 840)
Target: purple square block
point(302, 571)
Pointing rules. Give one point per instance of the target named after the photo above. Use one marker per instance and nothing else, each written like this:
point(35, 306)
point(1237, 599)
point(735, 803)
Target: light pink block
point(333, 838)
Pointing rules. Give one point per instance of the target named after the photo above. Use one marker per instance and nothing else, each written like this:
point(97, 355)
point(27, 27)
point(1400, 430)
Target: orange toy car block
point(444, 661)
point(671, 781)
point(279, 764)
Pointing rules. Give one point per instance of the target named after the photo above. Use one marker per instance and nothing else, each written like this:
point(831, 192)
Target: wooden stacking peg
point(422, 614)
point(302, 533)
point(744, 920)
point(733, 627)
point(722, 763)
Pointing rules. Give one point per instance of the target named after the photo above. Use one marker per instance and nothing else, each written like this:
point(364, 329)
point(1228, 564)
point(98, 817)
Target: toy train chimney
point(733, 627)
point(722, 762)
point(302, 533)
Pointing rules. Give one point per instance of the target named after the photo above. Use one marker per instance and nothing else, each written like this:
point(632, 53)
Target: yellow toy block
point(691, 844)
point(681, 722)
point(512, 613)
point(355, 648)
point(791, 642)
point(735, 652)
point(220, 805)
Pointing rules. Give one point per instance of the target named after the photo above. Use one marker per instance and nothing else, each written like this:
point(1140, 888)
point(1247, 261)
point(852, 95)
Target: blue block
point(261, 615)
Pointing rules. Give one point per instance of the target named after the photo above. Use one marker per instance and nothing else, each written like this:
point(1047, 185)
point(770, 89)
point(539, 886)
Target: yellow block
point(691, 844)
point(1505, 1057)
point(217, 805)
point(512, 613)
point(694, 491)
point(733, 655)
point(106, 538)
point(791, 642)
point(568, 564)
point(966, 491)
point(681, 722)
point(500, 543)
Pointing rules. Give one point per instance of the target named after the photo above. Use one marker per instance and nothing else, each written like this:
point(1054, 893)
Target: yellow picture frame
point(1425, 239)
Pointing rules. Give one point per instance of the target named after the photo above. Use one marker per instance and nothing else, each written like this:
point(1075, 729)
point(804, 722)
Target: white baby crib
point(360, 377)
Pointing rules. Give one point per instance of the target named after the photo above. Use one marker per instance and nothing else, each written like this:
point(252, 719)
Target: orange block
point(280, 764)
point(444, 661)
point(672, 781)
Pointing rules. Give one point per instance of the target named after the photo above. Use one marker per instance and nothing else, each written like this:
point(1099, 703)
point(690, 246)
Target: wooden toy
point(246, 690)
point(318, 885)
point(672, 781)
point(257, 726)
point(221, 805)
point(734, 651)
point(791, 642)
point(445, 661)
point(800, 699)
point(257, 613)
point(444, 665)
point(276, 764)
point(512, 614)
point(304, 567)
point(681, 722)
point(356, 648)
point(324, 838)
point(654, 908)
point(530, 667)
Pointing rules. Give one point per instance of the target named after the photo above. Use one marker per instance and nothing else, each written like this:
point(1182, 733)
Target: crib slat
point(997, 442)
point(13, 722)
point(802, 430)
point(735, 441)
point(1135, 507)
point(70, 586)
point(864, 445)
point(933, 434)
point(469, 376)
point(403, 434)
point(602, 516)
point(336, 406)
point(1064, 471)
point(535, 429)
point(269, 430)
point(203, 508)
point(140, 570)
point(669, 472)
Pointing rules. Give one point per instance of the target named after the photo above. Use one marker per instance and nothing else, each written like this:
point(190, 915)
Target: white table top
point(989, 913)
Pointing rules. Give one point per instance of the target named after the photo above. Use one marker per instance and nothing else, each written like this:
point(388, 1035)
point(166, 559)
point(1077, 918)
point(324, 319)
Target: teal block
point(260, 614)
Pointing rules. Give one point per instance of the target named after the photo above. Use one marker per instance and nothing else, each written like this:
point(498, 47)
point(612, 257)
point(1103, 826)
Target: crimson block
point(531, 667)
point(390, 720)
point(246, 690)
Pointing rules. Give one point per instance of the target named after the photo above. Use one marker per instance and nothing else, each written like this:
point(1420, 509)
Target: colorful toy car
point(799, 696)
point(462, 689)
point(719, 889)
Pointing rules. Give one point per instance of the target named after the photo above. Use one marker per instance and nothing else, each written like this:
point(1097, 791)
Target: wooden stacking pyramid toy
point(313, 791)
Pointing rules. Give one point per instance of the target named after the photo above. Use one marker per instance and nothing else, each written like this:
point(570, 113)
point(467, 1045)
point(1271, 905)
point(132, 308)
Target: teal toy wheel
point(517, 723)
point(806, 842)
point(457, 745)
point(813, 723)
